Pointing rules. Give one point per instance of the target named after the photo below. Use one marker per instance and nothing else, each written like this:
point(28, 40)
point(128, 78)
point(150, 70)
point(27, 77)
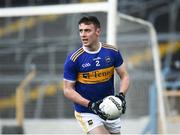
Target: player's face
point(89, 34)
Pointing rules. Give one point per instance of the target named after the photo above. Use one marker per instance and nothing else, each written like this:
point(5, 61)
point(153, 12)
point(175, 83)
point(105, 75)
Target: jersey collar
point(93, 52)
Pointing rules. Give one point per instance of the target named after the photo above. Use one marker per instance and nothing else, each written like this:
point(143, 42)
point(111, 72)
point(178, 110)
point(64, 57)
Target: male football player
point(89, 77)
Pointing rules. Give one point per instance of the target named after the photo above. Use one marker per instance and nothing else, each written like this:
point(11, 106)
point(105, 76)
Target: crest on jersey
point(90, 122)
point(108, 59)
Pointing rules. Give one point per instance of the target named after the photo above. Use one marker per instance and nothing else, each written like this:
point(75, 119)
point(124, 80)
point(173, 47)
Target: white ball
point(112, 106)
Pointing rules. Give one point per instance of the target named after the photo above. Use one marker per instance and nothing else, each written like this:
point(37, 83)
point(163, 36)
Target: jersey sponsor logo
point(96, 76)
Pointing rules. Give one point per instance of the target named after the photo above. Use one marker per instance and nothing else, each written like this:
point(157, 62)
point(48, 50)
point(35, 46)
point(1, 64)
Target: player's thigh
point(113, 126)
point(99, 130)
point(90, 122)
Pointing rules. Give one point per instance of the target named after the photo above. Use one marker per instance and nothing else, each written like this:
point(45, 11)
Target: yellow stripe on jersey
point(83, 124)
point(96, 76)
point(76, 54)
point(110, 47)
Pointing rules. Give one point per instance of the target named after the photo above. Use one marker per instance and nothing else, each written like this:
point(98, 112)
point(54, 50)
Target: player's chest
point(95, 62)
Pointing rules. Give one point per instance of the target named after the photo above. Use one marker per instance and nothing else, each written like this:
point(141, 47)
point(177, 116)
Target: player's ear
point(98, 31)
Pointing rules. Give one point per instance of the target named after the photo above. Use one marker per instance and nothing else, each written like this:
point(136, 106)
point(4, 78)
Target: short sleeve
point(70, 72)
point(118, 59)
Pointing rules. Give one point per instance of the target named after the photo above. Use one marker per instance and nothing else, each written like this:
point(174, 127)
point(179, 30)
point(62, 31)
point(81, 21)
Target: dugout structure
point(43, 35)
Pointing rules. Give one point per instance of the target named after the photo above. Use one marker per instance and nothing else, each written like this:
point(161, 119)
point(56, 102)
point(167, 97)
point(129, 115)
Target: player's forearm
point(124, 84)
point(75, 97)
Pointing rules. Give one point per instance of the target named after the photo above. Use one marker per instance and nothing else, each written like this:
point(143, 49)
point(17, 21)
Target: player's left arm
point(124, 84)
point(124, 78)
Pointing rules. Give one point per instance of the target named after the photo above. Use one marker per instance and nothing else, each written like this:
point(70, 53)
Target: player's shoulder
point(110, 47)
point(76, 53)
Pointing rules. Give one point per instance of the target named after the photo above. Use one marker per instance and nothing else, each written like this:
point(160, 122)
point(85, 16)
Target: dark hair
point(90, 20)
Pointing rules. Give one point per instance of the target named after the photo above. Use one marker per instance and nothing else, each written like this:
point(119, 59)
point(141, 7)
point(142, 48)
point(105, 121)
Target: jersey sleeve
point(118, 59)
point(70, 72)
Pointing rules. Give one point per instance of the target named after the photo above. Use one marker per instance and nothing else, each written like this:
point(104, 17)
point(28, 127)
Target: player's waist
point(82, 109)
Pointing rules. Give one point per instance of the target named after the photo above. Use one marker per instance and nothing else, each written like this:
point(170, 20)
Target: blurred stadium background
point(38, 45)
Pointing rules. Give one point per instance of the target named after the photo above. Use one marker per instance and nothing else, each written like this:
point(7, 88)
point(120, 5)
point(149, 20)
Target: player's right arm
point(72, 95)
point(70, 75)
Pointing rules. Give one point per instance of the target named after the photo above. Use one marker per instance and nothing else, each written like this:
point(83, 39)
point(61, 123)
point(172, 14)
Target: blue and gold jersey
point(93, 72)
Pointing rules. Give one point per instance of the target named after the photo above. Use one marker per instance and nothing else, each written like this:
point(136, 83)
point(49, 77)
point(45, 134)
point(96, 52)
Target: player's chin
point(86, 44)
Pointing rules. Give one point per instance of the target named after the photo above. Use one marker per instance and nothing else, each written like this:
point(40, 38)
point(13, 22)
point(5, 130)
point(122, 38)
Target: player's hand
point(121, 96)
point(94, 106)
